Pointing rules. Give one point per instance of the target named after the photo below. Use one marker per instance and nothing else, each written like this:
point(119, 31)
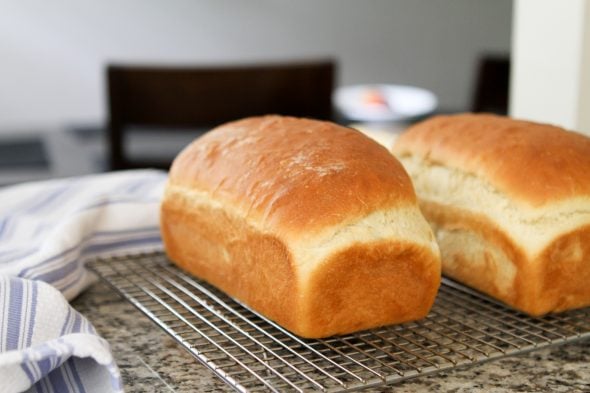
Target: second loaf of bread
point(510, 203)
point(311, 224)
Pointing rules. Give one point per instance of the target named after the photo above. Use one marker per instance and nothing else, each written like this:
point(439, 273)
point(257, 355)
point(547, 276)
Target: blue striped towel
point(48, 230)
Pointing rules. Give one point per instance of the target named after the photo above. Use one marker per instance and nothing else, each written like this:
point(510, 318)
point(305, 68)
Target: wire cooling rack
point(251, 353)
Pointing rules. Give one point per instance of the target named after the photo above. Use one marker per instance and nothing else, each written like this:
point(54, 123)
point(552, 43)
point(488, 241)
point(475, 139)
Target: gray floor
point(54, 154)
point(31, 156)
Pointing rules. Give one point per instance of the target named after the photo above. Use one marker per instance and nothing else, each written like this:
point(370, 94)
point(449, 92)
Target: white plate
point(381, 103)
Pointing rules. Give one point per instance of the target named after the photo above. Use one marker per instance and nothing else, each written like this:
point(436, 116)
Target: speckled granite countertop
point(150, 361)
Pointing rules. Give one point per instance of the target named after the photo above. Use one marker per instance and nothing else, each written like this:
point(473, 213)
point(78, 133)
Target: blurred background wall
point(52, 53)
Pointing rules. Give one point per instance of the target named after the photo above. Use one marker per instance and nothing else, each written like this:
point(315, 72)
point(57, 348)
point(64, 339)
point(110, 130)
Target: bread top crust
point(293, 175)
point(536, 164)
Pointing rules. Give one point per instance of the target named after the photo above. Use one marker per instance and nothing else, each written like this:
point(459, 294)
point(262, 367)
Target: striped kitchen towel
point(48, 230)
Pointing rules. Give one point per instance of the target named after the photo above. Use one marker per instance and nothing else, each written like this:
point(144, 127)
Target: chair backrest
point(203, 97)
point(492, 84)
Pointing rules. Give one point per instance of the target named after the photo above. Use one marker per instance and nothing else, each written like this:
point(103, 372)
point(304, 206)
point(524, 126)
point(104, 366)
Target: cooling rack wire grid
point(251, 353)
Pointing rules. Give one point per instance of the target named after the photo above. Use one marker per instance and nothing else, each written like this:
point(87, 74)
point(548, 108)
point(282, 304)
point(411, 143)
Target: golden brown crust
point(481, 274)
point(509, 201)
point(533, 163)
point(227, 253)
point(293, 174)
point(313, 225)
point(555, 280)
point(360, 287)
point(564, 273)
point(370, 285)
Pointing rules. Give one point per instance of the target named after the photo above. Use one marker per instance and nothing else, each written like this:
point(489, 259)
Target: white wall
point(551, 62)
point(52, 53)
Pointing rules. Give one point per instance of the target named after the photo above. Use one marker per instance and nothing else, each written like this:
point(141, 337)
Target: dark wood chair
point(491, 85)
point(203, 97)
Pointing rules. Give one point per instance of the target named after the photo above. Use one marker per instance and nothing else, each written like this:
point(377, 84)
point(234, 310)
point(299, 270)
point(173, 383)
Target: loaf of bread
point(509, 202)
point(311, 224)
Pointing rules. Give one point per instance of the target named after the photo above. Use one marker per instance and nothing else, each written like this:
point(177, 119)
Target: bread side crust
point(214, 246)
point(404, 223)
point(356, 286)
point(532, 228)
point(530, 258)
point(531, 163)
point(564, 274)
point(477, 252)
